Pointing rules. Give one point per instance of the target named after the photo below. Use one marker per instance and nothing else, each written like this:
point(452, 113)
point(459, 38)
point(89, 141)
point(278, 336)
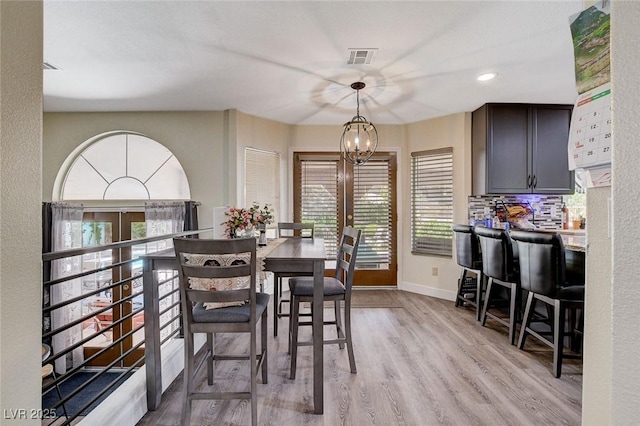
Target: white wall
point(20, 223)
point(417, 270)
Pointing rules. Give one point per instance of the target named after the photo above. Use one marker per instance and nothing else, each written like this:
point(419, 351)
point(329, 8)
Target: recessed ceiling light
point(487, 76)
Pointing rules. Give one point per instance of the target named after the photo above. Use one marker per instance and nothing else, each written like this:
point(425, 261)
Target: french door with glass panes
point(113, 323)
point(333, 193)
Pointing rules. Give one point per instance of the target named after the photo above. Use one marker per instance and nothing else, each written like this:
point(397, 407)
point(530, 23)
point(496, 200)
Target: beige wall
point(20, 223)
point(625, 315)
point(197, 139)
point(255, 132)
point(596, 384)
point(417, 270)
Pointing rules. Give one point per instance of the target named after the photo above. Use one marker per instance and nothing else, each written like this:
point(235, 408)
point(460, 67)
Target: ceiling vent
point(361, 56)
point(48, 66)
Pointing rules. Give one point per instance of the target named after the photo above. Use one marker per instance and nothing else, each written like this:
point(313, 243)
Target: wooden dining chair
point(336, 289)
point(543, 274)
point(287, 230)
point(218, 291)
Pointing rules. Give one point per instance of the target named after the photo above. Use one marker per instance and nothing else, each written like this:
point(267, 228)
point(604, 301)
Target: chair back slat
point(347, 254)
point(216, 271)
point(295, 229)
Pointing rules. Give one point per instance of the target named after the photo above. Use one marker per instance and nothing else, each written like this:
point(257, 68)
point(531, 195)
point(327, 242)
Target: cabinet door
point(508, 152)
point(550, 156)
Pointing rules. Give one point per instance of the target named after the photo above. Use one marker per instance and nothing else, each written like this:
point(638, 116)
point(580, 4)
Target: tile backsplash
point(547, 209)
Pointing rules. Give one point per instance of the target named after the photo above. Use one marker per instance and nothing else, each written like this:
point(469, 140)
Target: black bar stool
point(470, 260)
point(543, 275)
point(499, 267)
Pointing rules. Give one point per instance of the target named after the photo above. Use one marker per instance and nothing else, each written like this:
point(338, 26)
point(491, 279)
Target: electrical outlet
point(434, 271)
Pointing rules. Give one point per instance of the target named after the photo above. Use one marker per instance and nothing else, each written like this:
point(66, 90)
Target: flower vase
point(262, 239)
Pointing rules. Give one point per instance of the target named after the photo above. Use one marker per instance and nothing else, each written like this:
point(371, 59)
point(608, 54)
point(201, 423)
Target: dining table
point(306, 255)
point(286, 255)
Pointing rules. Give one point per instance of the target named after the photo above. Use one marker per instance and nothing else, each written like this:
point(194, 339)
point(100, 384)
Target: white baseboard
point(428, 291)
point(128, 404)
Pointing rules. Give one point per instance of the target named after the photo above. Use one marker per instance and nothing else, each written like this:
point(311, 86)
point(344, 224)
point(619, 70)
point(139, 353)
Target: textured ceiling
point(287, 61)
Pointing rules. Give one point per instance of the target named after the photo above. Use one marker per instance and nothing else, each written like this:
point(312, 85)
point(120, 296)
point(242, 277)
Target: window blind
point(432, 202)
point(373, 213)
point(262, 179)
point(319, 197)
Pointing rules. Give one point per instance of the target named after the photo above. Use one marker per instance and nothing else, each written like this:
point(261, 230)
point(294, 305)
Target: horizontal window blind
point(319, 200)
point(262, 179)
point(373, 214)
point(432, 202)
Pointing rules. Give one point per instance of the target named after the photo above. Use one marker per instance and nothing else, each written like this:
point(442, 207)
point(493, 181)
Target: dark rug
point(75, 404)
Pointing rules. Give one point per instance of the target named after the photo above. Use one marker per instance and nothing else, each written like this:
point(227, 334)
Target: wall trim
point(428, 291)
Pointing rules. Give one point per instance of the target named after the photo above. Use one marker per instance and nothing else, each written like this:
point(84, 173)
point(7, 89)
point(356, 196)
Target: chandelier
point(359, 137)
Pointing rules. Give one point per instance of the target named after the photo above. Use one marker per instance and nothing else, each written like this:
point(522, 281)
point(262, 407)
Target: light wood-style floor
point(420, 362)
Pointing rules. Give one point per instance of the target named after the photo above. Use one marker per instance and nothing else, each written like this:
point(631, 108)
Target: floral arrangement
point(244, 220)
point(261, 215)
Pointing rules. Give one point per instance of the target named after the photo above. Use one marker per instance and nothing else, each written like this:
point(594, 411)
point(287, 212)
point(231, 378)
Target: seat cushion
point(574, 292)
point(303, 286)
point(231, 313)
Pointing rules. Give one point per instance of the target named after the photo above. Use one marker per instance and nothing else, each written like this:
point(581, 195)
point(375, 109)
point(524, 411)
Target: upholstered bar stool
point(543, 274)
point(499, 267)
point(470, 260)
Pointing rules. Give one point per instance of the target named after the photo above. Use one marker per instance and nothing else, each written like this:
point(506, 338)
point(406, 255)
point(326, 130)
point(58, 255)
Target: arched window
point(125, 166)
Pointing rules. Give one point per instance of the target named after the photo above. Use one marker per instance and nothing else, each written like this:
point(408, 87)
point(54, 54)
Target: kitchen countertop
point(573, 239)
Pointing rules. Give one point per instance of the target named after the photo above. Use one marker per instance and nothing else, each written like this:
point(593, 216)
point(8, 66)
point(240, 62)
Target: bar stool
point(499, 267)
point(543, 275)
point(470, 260)
point(287, 230)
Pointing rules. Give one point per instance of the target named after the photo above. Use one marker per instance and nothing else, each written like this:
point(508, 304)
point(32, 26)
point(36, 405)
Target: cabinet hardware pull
point(535, 181)
point(528, 181)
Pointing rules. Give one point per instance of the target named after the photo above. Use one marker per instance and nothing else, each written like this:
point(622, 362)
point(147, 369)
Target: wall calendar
point(590, 138)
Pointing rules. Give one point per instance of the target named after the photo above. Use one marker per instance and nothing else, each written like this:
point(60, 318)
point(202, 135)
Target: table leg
point(318, 336)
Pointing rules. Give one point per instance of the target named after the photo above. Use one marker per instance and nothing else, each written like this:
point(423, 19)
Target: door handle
point(528, 181)
point(350, 217)
point(535, 181)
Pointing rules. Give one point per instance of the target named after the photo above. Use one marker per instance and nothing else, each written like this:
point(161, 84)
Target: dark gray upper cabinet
point(521, 148)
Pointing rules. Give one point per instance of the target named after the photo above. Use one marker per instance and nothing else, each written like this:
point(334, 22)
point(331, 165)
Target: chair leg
point(253, 356)
point(264, 347)
point(487, 296)
point(293, 319)
point(513, 312)
point(528, 313)
point(339, 330)
point(347, 330)
point(459, 295)
point(558, 337)
point(187, 378)
point(479, 285)
point(64, 409)
point(209, 360)
point(277, 285)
